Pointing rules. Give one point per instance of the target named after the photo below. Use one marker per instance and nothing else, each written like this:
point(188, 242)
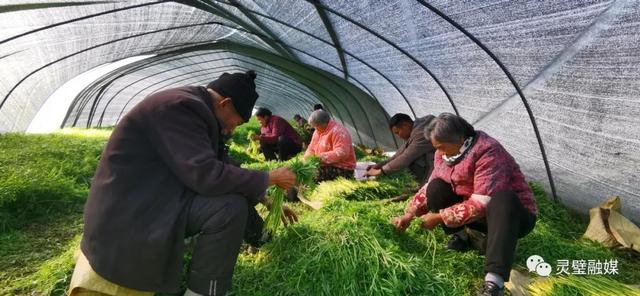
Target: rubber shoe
point(491, 289)
point(458, 244)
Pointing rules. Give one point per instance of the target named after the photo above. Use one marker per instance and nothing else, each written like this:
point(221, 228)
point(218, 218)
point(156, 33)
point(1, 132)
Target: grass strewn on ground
point(43, 185)
point(44, 174)
point(346, 248)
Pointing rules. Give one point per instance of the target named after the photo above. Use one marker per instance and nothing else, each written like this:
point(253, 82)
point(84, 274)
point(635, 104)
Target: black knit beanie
point(241, 88)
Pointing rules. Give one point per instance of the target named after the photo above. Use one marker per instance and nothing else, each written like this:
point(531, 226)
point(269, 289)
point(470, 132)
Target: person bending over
point(331, 142)
point(278, 139)
point(477, 184)
point(416, 154)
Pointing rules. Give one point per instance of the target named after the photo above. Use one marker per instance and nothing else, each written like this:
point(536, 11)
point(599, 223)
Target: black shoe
point(458, 244)
point(491, 289)
point(292, 194)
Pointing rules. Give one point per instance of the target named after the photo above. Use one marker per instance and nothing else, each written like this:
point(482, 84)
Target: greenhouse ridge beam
point(332, 33)
point(513, 81)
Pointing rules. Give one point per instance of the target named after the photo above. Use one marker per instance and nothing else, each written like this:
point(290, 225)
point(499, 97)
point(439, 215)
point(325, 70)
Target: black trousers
point(506, 221)
point(219, 223)
point(285, 149)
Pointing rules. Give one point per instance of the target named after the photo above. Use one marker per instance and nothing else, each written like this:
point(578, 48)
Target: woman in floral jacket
point(475, 183)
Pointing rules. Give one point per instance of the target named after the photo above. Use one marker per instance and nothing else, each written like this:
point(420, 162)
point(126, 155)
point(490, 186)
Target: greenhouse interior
point(320, 147)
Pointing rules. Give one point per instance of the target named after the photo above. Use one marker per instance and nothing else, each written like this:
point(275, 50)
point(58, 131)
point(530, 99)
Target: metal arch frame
point(234, 58)
point(404, 52)
point(90, 90)
point(173, 82)
point(86, 17)
point(113, 11)
point(326, 91)
point(337, 109)
point(192, 25)
point(147, 87)
point(511, 79)
point(207, 72)
point(332, 33)
point(97, 46)
point(404, 97)
point(355, 126)
point(221, 12)
point(137, 68)
point(237, 5)
point(81, 18)
point(33, 6)
point(305, 92)
point(254, 33)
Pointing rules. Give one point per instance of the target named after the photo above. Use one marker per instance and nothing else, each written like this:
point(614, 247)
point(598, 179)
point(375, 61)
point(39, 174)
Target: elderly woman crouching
point(331, 142)
point(477, 184)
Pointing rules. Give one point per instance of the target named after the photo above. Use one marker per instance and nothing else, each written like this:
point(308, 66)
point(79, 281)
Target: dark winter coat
point(163, 152)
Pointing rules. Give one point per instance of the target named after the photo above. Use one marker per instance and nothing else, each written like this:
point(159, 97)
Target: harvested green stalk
point(304, 171)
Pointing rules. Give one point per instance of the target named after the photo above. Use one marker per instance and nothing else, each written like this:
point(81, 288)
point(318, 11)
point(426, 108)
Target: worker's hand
point(431, 220)
point(372, 166)
point(255, 137)
point(372, 172)
point(401, 223)
point(288, 216)
point(282, 177)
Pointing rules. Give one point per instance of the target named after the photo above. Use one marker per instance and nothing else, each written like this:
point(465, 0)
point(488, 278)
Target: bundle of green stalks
point(381, 188)
point(583, 286)
point(305, 171)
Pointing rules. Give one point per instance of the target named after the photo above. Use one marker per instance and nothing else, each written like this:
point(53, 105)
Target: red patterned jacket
point(486, 169)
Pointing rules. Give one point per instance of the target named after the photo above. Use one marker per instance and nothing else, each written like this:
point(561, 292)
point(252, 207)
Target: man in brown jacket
point(417, 152)
point(165, 175)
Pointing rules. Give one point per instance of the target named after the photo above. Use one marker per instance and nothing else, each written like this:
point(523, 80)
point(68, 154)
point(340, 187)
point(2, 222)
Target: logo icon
point(536, 264)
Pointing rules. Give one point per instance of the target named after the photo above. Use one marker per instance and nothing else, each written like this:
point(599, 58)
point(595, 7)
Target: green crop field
point(347, 247)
